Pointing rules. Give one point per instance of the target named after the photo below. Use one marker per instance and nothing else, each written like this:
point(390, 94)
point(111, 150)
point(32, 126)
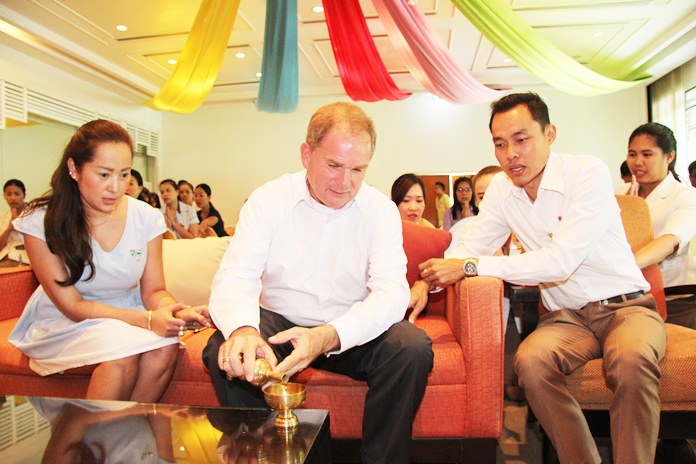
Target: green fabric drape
point(199, 63)
point(279, 85)
point(536, 54)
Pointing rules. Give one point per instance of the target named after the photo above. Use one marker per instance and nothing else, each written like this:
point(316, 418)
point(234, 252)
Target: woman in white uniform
point(97, 255)
point(182, 220)
point(15, 192)
point(652, 153)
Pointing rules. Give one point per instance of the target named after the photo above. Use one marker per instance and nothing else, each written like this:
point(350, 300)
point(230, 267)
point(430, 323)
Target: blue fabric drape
point(278, 88)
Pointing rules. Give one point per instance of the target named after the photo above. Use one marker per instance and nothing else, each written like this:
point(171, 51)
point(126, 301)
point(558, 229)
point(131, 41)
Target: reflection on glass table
point(120, 431)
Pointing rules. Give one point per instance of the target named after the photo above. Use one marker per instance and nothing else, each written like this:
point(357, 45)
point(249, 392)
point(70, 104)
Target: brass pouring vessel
point(284, 398)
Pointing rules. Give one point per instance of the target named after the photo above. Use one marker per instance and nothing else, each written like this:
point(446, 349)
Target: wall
point(31, 154)
point(235, 148)
point(75, 88)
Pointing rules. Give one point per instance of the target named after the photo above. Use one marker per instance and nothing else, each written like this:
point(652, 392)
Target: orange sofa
point(461, 413)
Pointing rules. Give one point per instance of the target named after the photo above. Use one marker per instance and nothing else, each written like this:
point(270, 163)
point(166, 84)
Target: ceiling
point(81, 36)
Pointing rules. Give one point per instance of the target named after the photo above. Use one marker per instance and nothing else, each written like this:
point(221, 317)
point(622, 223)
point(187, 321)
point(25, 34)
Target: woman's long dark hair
point(66, 227)
point(664, 138)
point(457, 207)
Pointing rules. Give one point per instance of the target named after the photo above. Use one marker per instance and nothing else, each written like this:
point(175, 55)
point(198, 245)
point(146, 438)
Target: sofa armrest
point(475, 314)
point(16, 286)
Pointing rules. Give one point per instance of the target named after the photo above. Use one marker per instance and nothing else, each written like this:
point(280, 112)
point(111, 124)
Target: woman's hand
point(164, 322)
point(633, 189)
point(170, 217)
point(195, 315)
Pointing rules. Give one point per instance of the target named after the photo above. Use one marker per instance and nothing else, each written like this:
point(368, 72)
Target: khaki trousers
point(631, 338)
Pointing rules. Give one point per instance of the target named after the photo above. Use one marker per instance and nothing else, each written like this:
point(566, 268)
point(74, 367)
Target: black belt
point(622, 298)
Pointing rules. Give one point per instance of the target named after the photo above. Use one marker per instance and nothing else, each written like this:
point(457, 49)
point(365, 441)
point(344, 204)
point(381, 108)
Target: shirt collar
point(300, 193)
point(551, 178)
point(665, 187)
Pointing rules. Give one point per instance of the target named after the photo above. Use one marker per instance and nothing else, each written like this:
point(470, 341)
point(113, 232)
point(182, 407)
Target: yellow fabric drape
point(200, 59)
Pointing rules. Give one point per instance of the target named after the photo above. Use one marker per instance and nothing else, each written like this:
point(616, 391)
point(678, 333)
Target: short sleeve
point(31, 224)
point(193, 217)
point(148, 219)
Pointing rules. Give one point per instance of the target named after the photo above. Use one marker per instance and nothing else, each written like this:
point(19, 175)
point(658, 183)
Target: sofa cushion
point(190, 265)
point(420, 244)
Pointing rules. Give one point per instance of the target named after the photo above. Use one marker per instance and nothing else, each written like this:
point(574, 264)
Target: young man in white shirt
point(563, 211)
point(316, 275)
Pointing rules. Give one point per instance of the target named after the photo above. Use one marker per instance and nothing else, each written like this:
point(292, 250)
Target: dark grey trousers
point(395, 366)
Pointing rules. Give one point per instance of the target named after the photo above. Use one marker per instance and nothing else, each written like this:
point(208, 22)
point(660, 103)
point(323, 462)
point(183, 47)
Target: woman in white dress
point(97, 255)
point(652, 153)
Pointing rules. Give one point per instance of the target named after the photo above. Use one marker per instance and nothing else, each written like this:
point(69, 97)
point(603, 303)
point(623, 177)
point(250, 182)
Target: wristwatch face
point(470, 268)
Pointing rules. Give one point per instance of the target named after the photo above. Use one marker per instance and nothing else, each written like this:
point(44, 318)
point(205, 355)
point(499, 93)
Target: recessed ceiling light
point(172, 61)
point(121, 28)
point(240, 55)
point(318, 9)
point(258, 74)
point(507, 60)
point(598, 34)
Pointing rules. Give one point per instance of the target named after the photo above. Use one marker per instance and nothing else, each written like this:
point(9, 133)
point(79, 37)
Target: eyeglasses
point(463, 189)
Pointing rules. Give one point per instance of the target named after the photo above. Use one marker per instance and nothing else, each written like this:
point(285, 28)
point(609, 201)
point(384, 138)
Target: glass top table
point(37, 429)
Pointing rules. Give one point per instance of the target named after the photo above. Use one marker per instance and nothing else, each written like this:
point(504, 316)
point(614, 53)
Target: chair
point(588, 385)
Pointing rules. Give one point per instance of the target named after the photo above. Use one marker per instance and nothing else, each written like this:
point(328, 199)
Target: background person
point(211, 223)
point(185, 189)
point(692, 173)
point(316, 275)
point(652, 154)
point(482, 179)
point(463, 205)
point(97, 254)
point(442, 202)
point(564, 212)
point(154, 200)
point(408, 193)
point(181, 219)
point(15, 193)
point(135, 187)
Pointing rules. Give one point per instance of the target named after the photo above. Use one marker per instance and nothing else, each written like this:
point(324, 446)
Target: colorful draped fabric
point(532, 51)
point(363, 74)
point(426, 57)
point(199, 63)
point(278, 88)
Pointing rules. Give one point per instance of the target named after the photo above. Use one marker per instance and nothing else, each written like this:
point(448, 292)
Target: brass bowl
point(284, 398)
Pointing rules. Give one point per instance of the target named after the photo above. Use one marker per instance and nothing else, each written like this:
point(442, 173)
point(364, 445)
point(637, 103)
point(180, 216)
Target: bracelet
point(149, 320)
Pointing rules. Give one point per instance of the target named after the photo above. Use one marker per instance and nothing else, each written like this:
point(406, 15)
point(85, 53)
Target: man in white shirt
point(321, 253)
point(563, 211)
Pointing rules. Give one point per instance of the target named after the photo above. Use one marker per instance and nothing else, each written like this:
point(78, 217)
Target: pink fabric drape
point(426, 57)
point(363, 74)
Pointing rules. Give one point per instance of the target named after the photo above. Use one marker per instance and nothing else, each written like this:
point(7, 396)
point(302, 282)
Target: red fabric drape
point(363, 74)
